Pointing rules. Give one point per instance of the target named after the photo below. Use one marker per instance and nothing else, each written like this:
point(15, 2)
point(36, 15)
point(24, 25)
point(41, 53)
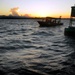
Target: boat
point(70, 30)
point(50, 21)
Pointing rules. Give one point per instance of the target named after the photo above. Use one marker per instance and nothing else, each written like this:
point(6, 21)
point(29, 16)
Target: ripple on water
point(24, 45)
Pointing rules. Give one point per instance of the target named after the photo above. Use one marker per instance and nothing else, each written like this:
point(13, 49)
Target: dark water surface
point(24, 45)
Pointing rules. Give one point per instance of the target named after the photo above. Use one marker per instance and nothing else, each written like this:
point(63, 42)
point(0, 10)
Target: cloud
point(14, 11)
point(27, 15)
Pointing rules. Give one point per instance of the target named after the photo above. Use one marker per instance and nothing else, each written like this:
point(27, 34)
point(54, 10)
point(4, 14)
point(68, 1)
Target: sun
point(43, 13)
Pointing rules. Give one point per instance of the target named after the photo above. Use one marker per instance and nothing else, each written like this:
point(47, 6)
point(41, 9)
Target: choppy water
point(24, 45)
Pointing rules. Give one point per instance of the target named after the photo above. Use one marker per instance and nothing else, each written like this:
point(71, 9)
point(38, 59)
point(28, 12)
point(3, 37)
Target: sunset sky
point(36, 8)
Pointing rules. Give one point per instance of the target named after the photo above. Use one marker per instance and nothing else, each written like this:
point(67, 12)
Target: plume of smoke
point(14, 11)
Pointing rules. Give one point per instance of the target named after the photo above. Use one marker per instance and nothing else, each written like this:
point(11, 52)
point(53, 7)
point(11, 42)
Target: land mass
point(21, 17)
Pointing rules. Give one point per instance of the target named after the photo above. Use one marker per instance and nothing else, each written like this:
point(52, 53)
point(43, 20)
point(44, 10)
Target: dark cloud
point(14, 11)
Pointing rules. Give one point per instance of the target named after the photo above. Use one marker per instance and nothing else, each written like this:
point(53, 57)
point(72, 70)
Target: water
point(24, 45)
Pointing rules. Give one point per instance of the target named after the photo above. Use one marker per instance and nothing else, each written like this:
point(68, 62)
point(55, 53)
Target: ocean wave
point(24, 45)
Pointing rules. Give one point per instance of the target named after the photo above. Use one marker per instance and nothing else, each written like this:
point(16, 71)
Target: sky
point(36, 8)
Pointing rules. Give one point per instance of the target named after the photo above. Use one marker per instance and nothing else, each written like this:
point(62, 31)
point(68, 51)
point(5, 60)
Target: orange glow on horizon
point(42, 13)
point(38, 14)
point(17, 11)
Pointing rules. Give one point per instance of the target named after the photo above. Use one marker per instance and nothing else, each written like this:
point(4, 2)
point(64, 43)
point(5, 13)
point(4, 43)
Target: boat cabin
point(53, 20)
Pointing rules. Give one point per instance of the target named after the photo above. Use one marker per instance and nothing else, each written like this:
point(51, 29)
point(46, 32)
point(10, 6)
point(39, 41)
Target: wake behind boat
point(50, 21)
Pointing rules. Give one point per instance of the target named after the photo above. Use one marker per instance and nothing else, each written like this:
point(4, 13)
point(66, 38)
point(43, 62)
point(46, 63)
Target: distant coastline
point(22, 17)
point(19, 17)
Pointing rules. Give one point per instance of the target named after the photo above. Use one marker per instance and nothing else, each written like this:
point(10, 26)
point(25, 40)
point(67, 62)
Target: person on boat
point(54, 20)
point(58, 21)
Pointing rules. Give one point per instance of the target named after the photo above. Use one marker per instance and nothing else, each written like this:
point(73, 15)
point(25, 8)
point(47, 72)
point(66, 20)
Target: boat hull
point(48, 24)
point(70, 31)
